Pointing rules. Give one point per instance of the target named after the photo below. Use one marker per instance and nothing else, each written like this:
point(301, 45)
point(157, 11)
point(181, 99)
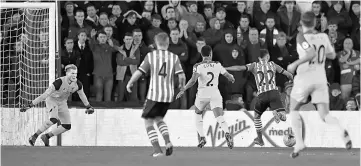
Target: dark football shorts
point(270, 99)
point(153, 109)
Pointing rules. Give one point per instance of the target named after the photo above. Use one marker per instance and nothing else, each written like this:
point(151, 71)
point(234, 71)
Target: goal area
point(27, 66)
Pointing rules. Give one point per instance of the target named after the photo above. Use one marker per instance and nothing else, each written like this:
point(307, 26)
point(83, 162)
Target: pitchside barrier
point(114, 127)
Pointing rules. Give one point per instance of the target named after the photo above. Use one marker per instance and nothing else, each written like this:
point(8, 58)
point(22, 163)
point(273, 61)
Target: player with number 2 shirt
point(207, 73)
point(264, 72)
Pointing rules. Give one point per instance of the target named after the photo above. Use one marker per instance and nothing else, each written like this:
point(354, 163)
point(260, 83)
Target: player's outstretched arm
point(181, 80)
point(236, 68)
point(84, 99)
point(189, 84)
point(229, 77)
point(42, 97)
point(280, 70)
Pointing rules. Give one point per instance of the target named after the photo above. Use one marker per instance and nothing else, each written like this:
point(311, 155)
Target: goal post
point(27, 66)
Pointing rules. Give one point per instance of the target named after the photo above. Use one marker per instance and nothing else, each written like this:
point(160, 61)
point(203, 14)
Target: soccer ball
point(289, 140)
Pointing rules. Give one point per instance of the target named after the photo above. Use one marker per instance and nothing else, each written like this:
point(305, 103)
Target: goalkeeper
point(56, 102)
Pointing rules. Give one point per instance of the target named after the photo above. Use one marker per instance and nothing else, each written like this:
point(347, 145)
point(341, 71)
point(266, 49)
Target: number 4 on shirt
point(163, 69)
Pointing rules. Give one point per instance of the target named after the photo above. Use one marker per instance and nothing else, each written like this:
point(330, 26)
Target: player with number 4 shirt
point(264, 72)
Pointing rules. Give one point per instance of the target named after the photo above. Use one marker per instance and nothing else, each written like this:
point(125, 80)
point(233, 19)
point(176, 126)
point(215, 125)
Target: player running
point(313, 48)
point(163, 66)
point(56, 97)
point(207, 73)
point(264, 72)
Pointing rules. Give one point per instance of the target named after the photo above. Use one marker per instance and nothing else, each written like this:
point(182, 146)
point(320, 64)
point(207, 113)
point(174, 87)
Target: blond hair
point(70, 66)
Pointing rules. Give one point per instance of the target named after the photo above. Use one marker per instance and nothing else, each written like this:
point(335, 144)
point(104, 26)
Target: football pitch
point(182, 156)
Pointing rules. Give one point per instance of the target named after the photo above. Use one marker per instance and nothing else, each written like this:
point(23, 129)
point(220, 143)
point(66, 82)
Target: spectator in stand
point(244, 27)
point(117, 12)
point(170, 14)
point(324, 26)
point(192, 16)
point(69, 55)
point(173, 10)
point(356, 88)
point(222, 52)
point(349, 62)
point(316, 9)
point(108, 29)
point(93, 18)
point(179, 48)
point(260, 16)
point(154, 29)
point(335, 36)
point(68, 18)
point(214, 35)
point(356, 36)
point(79, 25)
point(199, 29)
point(234, 13)
point(351, 105)
point(171, 24)
point(103, 21)
point(221, 16)
point(338, 13)
point(252, 49)
point(208, 14)
point(270, 33)
point(355, 15)
point(238, 58)
point(282, 56)
point(190, 39)
point(128, 61)
point(336, 101)
point(289, 20)
point(113, 24)
point(133, 21)
point(144, 50)
point(85, 68)
point(149, 6)
point(102, 49)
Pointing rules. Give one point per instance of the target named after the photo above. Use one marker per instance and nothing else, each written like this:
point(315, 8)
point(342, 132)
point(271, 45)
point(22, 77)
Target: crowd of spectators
point(108, 40)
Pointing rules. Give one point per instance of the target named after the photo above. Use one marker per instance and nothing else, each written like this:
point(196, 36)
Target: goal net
point(27, 66)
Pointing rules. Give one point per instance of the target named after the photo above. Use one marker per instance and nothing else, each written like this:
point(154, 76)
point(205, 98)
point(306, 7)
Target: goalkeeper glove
point(26, 107)
point(89, 109)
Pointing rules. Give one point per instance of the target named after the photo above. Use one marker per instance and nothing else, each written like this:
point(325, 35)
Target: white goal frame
point(53, 22)
point(16, 127)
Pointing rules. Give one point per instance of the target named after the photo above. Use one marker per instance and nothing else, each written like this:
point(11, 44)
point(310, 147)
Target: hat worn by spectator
point(332, 22)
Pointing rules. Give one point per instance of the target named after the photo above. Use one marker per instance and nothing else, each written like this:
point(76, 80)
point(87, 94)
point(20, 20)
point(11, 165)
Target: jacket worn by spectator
point(179, 49)
point(124, 61)
point(74, 30)
point(343, 19)
point(287, 26)
point(86, 64)
point(102, 55)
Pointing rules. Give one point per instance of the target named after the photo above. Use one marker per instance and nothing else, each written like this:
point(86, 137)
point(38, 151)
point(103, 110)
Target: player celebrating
point(56, 102)
point(163, 66)
point(207, 73)
point(264, 72)
point(312, 48)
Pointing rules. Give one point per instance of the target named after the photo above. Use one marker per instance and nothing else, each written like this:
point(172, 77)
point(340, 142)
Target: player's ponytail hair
point(70, 67)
